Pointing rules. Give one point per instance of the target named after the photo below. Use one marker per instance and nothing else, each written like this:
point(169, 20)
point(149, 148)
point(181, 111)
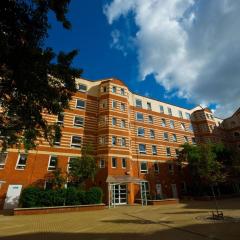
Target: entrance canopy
point(113, 181)
point(124, 179)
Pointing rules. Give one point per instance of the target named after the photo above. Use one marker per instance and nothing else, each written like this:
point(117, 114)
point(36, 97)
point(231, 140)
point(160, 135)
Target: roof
point(124, 179)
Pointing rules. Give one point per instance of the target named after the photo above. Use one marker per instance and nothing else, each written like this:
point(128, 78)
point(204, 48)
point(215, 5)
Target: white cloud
point(116, 42)
point(191, 46)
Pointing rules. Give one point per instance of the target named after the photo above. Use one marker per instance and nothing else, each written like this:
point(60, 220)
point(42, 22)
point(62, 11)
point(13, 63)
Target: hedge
point(36, 197)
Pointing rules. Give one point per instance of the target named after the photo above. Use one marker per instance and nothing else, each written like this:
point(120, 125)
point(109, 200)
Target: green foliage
point(30, 197)
point(94, 195)
point(33, 79)
point(35, 197)
point(56, 179)
point(84, 167)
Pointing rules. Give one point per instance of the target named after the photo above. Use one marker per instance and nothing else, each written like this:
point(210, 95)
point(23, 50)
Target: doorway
point(12, 197)
point(119, 194)
point(174, 190)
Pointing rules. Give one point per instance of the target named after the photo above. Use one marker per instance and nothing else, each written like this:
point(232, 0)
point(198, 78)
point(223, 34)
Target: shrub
point(47, 198)
point(59, 197)
point(82, 197)
point(94, 195)
point(72, 197)
point(30, 197)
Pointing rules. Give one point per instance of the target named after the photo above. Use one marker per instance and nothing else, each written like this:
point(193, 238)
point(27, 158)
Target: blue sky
point(184, 52)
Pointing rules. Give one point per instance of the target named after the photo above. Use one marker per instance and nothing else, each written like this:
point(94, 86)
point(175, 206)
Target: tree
point(205, 163)
point(84, 167)
point(56, 179)
point(33, 79)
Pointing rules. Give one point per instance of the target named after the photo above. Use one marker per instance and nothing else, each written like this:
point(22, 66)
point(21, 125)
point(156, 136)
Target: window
point(152, 133)
point(122, 107)
point(114, 121)
point(138, 103)
point(212, 117)
point(161, 109)
point(185, 139)
point(22, 161)
point(164, 122)
point(122, 91)
point(180, 114)
point(188, 116)
point(70, 161)
point(102, 163)
point(124, 163)
point(143, 167)
point(114, 104)
point(150, 119)
point(123, 142)
point(207, 115)
point(174, 138)
point(172, 124)
point(78, 121)
point(177, 152)
point(236, 134)
point(80, 104)
point(190, 127)
point(183, 126)
point(114, 140)
point(154, 149)
point(156, 167)
point(142, 148)
point(102, 140)
point(168, 151)
point(193, 140)
point(60, 118)
point(104, 89)
point(141, 132)
point(114, 89)
point(139, 116)
point(114, 162)
point(165, 136)
point(52, 164)
point(123, 123)
point(171, 168)
point(103, 104)
point(149, 106)
point(57, 138)
point(170, 111)
point(3, 157)
point(76, 141)
point(82, 88)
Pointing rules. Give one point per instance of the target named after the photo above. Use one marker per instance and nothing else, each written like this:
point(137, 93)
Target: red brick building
point(135, 142)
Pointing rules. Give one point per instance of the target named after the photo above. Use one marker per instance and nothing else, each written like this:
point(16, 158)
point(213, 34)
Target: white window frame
point(60, 121)
point(80, 107)
point(156, 170)
point(163, 122)
point(186, 140)
point(151, 133)
point(101, 163)
point(123, 123)
point(123, 141)
point(174, 137)
point(141, 135)
point(183, 126)
point(168, 154)
point(149, 106)
point(180, 114)
point(51, 168)
point(81, 90)
point(154, 152)
point(21, 166)
point(123, 107)
point(122, 91)
point(76, 124)
point(115, 162)
point(140, 151)
point(138, 118)
point(143, 171)
point(114, 137)
point(150, 118)
point(75, 145)
point(68, 166)
point(114, 87)
point(172, 124)
point(166, 136)
point(2, 165)
point(124, 160)
point(161, 108)
point(138, 105)
point(114, 102)
point(169, 111)
point(114, 120)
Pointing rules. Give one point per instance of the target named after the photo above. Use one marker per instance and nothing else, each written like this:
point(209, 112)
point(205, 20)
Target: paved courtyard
point(179, 221)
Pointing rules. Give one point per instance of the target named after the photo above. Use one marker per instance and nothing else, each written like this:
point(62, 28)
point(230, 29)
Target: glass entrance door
point(119, 193)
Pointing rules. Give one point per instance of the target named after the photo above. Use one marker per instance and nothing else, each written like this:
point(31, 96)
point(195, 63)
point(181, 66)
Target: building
point(135, 142)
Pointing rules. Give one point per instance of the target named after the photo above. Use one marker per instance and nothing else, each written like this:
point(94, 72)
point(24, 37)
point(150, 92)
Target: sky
point(184, 52)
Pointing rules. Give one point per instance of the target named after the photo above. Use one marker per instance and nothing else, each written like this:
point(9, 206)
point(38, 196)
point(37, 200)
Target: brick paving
point(169, 222)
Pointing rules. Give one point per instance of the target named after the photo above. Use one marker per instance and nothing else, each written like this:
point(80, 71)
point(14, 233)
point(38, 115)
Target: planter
point(58, 209)
point(160, 202)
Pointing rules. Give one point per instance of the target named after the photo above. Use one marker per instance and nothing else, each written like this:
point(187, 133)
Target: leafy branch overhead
point(33, 79)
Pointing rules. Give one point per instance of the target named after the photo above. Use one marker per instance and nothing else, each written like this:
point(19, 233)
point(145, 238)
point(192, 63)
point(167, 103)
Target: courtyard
point(184, 221)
